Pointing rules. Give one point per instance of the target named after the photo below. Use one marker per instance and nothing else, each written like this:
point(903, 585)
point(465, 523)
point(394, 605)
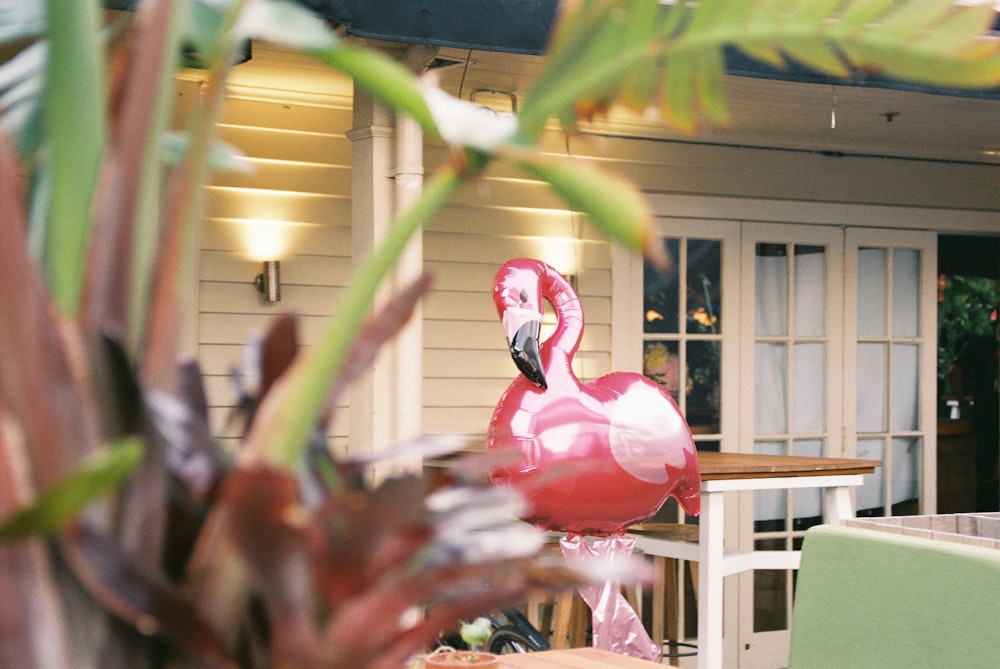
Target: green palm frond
point(672, 57)
point(75, 116)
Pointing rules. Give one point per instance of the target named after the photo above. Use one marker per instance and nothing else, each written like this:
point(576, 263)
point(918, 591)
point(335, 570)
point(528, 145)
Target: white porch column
point(372, 423)
point(387, 176)
point(409, 346)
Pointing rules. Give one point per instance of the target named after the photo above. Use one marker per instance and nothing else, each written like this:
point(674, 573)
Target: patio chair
point(871, 599)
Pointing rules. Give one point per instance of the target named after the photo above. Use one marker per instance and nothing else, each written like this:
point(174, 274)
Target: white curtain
point(805, 399)
point(790, 385)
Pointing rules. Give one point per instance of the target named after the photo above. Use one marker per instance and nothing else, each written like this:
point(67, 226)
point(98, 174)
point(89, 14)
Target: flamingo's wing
point(647, 433)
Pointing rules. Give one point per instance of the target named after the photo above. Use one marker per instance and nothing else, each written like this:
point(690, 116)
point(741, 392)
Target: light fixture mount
point(268, 282)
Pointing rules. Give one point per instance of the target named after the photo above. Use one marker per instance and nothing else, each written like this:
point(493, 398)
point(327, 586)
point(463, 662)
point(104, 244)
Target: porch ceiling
point(494, 45)
point(764, 112)
point(793, 115)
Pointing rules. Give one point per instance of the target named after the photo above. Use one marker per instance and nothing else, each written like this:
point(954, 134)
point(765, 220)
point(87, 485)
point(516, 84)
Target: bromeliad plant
point(129, 537)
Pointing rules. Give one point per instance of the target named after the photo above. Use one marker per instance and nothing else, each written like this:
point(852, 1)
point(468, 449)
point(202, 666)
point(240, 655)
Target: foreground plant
point(130, 538)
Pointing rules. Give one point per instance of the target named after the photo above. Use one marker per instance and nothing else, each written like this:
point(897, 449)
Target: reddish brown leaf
point(112, 242)
point(382, 327)
point(32, 624)
point(38, 382)
point(363, 534)
point(138, 596)
point(269, 527)
point(278, 350)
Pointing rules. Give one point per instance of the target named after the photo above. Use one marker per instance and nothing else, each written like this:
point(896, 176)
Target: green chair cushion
point(871, 599)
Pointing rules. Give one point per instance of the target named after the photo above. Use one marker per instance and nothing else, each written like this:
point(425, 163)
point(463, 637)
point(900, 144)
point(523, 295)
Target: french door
point(841, 361)
point(791, 385)
point(822, 341)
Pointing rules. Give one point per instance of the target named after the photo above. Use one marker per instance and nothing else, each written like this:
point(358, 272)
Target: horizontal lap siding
point(300, 174)
point(499, 216)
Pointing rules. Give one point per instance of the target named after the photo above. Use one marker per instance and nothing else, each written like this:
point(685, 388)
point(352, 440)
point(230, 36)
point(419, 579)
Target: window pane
point(704, 282)
point(808, 448)
point(770, 597)
point(772, 289)
point(871, 493)
point(807, 503)
point(905, 293)
point(704, 368)
point(905, 474)
point(770, 367)
point(810, 291)
point(809, 383)
point(661, 292)
point(872, 298)
point(662, 363)
point(905, 386)
point(770, 505)
point(871, 388)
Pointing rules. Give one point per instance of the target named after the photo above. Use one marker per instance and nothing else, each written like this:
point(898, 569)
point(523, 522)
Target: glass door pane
point(690, 347)
point(791, 287)
point(889, 318)
point(682, 338)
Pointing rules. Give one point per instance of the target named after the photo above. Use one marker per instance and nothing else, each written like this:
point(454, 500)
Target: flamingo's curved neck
point(565, 340)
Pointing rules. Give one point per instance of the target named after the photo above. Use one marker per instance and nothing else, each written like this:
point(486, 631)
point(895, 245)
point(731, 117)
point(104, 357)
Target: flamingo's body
point(591, 458)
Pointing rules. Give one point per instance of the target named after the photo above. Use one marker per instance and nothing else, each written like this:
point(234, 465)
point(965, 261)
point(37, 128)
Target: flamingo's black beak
point(524, 351)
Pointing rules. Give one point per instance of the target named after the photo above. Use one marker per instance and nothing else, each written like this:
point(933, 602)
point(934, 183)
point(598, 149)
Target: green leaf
point(678, 105)
point(56, 506)
point(595, 46)
point(289, 413)
point(914, 17)
point(769, 13)
point(381, 76)
point(814, 12)
point(860, 13)
point(929, 68)
point(203, 29)
point(954, 36)
point(611, 203)
point(75, 127)
point(712, 86)
point(817, 55)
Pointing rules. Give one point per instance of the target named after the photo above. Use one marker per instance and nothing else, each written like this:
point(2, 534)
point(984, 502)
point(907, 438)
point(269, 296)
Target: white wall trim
point(825, 213)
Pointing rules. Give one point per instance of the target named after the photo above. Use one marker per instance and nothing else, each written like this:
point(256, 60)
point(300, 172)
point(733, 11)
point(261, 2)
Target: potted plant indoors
point(475, 635)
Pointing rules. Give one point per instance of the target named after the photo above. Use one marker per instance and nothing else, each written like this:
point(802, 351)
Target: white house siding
point(500, 216)
point(293, 134)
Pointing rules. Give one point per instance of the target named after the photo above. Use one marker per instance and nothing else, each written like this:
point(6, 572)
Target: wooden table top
point(574, 658)
point(714, 465)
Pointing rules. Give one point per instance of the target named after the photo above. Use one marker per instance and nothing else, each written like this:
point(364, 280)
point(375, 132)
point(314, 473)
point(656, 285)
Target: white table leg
point(711, 538)
point(837, 505)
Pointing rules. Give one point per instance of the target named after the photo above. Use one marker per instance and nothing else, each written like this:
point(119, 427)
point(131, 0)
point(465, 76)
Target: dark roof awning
point(523, 26)
point(512, 26)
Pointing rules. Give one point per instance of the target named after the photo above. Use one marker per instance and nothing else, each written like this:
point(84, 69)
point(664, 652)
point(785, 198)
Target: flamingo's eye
point(524, 296)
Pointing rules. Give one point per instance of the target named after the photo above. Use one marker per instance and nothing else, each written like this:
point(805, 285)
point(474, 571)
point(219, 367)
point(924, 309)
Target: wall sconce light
point(269, 280)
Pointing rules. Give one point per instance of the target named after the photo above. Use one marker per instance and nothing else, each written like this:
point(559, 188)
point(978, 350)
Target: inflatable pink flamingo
point(591, 458)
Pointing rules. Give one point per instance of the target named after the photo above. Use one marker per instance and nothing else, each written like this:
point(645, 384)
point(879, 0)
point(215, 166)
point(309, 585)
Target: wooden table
point(575, 658)
point(726, 472)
